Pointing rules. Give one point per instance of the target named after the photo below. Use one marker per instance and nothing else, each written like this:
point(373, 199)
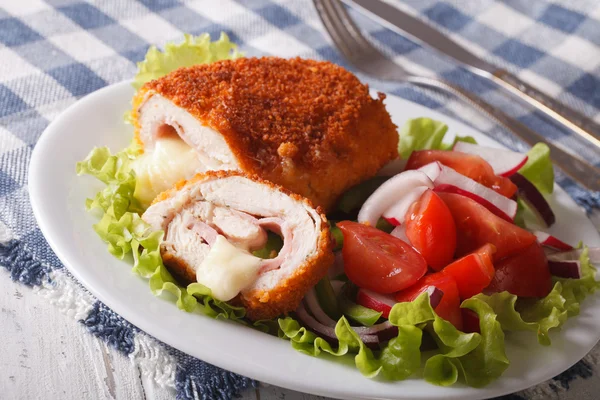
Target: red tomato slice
point(525, 274)
point(431, 230)
point(469, 165)
point(473, 272)
point(448, 307)
point(477, 226)
point(378, 261)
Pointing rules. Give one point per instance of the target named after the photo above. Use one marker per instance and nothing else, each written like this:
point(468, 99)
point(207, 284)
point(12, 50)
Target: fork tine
point(352, 44)
point(337, 32)
point(342, 14)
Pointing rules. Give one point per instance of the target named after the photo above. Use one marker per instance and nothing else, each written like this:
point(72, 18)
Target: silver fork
point(365, 57)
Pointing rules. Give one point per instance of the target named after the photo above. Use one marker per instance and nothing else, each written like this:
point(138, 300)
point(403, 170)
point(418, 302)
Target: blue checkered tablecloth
point(54, 52)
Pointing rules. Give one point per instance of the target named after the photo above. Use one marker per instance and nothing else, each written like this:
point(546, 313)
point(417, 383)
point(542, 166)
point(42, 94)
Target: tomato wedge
point(469, 165)
point(525, 274)
point(431, 230)
point(448, 307)
point(473, 272)
point(477, 226)
point(378, 261)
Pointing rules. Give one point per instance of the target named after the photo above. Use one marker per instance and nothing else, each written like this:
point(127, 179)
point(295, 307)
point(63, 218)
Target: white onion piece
point(400, 233)
point(389, 193)
point(398, 211)
point(446, 179)
point(565, 269)
point(315, 308)
point(392, 168)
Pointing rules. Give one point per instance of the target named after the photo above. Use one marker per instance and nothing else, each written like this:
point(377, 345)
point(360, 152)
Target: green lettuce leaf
point(538, 168)
point(426, 134)
point(419, 134)
point(487, 362)
point(474, 358)
point(193, 51)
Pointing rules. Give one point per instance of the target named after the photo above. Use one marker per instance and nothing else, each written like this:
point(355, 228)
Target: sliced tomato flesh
point(469, 165)
point(449, 306)
point(525, 274)
point(473, 272)
point(477, 226)
point(431, 230)
point(378, 261)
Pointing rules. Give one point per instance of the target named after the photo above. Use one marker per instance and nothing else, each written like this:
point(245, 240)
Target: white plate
point(58, 196)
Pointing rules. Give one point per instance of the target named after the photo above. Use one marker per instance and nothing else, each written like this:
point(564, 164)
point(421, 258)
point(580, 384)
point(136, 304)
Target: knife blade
point(420, 32)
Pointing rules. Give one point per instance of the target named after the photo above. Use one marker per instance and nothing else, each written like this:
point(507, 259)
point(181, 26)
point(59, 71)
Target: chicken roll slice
point(214, 222)
point(310, 126)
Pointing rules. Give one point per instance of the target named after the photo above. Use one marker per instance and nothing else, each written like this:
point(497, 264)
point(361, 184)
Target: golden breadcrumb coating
point(310, 126)
point(284, 297)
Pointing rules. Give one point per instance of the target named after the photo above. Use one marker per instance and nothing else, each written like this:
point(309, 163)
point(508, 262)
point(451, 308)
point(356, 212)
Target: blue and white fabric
point(54, 52)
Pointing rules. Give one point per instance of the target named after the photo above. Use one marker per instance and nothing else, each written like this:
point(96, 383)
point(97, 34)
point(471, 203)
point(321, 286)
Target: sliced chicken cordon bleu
point(307, 125)
point(214, 221)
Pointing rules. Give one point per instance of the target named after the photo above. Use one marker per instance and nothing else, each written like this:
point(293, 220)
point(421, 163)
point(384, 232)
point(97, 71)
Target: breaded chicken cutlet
point(309, 126)
point(240, 210)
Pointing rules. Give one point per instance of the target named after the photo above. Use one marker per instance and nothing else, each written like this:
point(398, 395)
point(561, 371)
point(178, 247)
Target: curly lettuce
point(476, 359)
point(125, 233)
point(193, 51)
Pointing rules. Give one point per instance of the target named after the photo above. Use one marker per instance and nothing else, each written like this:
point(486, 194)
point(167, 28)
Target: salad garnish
point(430, 284)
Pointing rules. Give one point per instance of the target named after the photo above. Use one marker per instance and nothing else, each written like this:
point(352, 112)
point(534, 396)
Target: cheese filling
point(227, 270)
point(170, 161)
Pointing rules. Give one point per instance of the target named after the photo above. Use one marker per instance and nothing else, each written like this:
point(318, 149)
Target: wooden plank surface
point(46, 354)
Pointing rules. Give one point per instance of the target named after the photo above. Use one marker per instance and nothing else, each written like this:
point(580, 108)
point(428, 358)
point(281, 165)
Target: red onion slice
point(574, 255)
point(337, 268)
point(435, 296)
point(548, 240)
point(315, 308)
point(337, 286)
point(565, 269)
point(384, 331)
point(536, 201)
point(328, 333)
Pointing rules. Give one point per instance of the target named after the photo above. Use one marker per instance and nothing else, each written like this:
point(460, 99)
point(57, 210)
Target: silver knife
point(422, 33)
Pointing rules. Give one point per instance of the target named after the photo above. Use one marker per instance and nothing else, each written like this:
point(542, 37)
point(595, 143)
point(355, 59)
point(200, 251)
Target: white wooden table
point(45, 354)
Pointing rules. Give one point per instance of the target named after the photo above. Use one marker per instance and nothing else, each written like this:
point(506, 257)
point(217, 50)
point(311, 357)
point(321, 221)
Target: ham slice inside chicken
point(242, 210)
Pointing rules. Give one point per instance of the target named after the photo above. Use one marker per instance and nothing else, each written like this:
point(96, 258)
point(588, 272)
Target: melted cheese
point(227, 270)
point(170, 161)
